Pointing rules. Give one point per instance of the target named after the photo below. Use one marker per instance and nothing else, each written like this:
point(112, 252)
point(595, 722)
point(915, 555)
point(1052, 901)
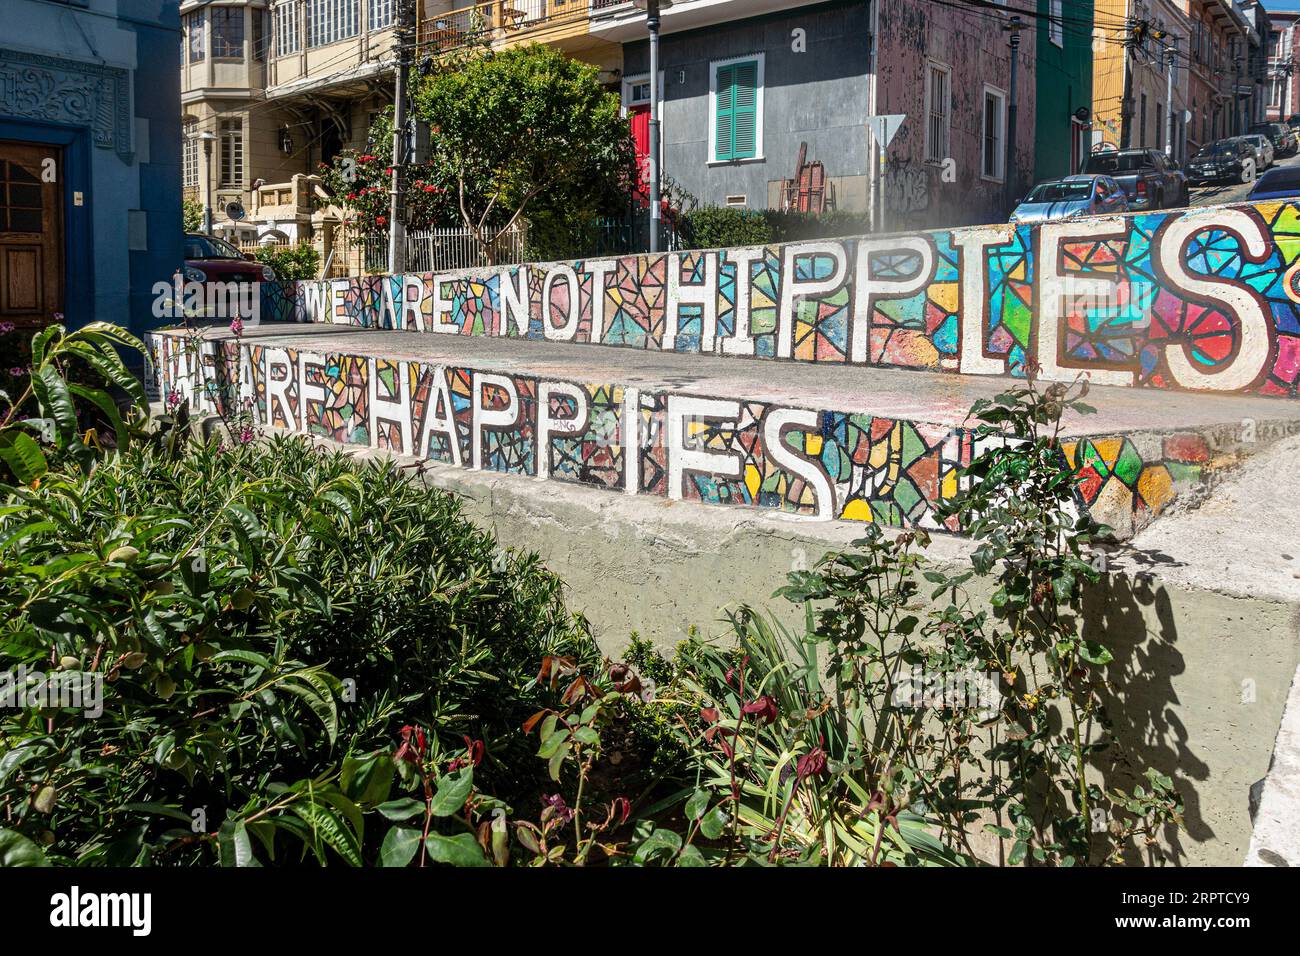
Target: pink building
point(949, 70)
point(1282, 84)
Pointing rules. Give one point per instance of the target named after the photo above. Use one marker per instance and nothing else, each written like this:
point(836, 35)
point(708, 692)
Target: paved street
point(1230, 191)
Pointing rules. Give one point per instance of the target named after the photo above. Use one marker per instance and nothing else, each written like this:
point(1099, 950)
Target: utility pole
point(1009, 174)
point(207, 137)
point(1170, 120)
point(652, 8)
point(1126, 100)
point(1236, 99)
point(403, 36)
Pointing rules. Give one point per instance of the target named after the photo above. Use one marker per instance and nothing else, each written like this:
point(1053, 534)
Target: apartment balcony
point(620, 21)
point(336, 58)
point(504, 23)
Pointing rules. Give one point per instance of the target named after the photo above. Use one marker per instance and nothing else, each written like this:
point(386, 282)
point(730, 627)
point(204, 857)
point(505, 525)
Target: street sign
point(885, 128)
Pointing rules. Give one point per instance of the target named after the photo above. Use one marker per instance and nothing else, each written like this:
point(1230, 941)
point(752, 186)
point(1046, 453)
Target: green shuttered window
point(736, 111)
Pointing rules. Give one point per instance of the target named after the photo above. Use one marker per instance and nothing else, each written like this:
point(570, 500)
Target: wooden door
point(31, 233)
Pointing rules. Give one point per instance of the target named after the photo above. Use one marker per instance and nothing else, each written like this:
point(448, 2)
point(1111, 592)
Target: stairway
point(829, 379)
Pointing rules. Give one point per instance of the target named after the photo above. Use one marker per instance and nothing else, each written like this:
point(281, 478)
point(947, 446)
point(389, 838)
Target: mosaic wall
point(821, 463)
point(1206, 299)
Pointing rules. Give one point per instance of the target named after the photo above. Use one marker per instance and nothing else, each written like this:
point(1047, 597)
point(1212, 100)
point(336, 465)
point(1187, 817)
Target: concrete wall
point(736, 446)
point(1201, 672)
point(100, 83)
point(813, 92)
point(1203, 299)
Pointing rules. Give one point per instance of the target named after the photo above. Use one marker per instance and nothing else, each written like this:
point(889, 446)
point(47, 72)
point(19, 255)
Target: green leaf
point(233, 845)
point(1018, 853)
point(714, 823)
point(101, 400)
point(660, 842)
point(42, 339)
point(23, 456)
point(697, 804)
point(330, 829)
point(17, 850)
point(452, 793)
point(1094, 653)
point(399, 847)
point(402, 809)
point(56, 401)
point(109, 365)
point(461, 850)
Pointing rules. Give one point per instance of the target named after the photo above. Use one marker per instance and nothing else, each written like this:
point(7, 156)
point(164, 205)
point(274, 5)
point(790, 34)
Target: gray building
point(742, 95)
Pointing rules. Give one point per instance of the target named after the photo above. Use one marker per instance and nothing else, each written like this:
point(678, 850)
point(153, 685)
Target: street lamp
point(207, 137)
point(652, 8)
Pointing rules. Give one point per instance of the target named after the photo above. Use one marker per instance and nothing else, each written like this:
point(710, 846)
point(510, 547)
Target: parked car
point(1225, 159)
point(1280, 183)
point(1150, 179)
point(1293, 121)
point(1070, 198)
point(1282, 135)
point(209, 259)
point(1264, 151)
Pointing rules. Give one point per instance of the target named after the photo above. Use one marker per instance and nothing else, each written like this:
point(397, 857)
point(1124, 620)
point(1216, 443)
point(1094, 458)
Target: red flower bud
point(763, 710)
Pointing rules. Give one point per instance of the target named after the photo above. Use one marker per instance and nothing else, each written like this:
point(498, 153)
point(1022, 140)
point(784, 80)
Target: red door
point(640, 119)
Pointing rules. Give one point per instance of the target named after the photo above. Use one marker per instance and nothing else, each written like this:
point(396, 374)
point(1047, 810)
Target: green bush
point(260, 617)
point(292, 263)
point(714, 227)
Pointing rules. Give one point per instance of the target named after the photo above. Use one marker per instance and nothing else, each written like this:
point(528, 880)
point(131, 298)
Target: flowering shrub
point(361, 182)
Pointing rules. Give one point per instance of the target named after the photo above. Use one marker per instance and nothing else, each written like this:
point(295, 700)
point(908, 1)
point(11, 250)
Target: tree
point(526, 131)
point(359, 181)
point(191, 215)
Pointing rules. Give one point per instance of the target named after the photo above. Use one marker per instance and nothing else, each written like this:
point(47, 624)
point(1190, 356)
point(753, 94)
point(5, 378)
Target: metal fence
point(439, 250)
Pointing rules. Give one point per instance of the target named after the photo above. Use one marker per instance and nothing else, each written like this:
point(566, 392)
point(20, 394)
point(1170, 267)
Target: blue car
point(1280, 183)
point(1070, 198)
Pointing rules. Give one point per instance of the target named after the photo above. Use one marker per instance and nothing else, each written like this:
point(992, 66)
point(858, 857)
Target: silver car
point(1070, 198)
point(1263, 147)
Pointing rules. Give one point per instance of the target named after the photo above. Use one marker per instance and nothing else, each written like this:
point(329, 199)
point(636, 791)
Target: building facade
point(1063, 109)
point(1281, 90)
point(1222, 87)
point(949, 71)
point(1141, 88)
point(90, 156)
point(269, 90)
point(745, 96)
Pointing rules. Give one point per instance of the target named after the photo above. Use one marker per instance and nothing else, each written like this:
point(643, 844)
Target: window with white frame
point(380, 14)
point(993, 161)
point(232, 153)
point(736, 109)
point(329, 21)
point(190, 154)
point(1055, 27)
point(287, 38)
point(938, 111)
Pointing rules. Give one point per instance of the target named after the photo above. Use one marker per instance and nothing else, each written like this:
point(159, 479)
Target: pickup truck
point(1149, 178)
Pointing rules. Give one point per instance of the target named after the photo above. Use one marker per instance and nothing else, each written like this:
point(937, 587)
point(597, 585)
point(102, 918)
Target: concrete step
point(825, 441)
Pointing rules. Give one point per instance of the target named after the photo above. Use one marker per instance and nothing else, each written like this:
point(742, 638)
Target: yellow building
point(1139, 46)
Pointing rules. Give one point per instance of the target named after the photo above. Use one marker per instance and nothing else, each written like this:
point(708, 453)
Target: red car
point(209, 259)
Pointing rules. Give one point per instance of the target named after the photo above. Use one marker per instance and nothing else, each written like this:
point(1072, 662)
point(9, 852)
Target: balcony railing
point(498, 20)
